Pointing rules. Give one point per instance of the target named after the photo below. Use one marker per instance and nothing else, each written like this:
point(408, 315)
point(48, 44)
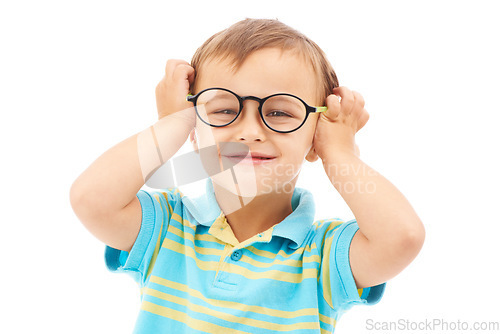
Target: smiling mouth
point(241, 157)
point(236, 159)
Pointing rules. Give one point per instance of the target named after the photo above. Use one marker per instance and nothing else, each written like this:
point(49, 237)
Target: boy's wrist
point(185, 117)
point(177, 125)
point(158, 143)
point(339, 156)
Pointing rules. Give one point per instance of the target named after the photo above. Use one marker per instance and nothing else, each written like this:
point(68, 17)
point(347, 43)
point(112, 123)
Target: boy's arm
point(104, 196)
point(390, 233)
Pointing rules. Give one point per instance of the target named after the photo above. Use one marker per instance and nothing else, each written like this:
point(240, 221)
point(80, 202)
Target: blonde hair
point(238, 41)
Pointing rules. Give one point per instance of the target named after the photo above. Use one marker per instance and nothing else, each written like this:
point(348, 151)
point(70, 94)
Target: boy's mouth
point(253, 157)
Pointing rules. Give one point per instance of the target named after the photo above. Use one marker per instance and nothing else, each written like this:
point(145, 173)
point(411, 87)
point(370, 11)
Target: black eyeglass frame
point(241, 99)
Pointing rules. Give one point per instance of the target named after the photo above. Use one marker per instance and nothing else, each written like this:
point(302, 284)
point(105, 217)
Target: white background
point(78, 77)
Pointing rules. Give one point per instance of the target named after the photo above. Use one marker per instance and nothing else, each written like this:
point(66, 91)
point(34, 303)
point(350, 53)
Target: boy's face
point(264, 72)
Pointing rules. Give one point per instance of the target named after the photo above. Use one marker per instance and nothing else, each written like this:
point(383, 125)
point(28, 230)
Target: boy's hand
point(172, 90)
point(337, 126)
point(390, 233)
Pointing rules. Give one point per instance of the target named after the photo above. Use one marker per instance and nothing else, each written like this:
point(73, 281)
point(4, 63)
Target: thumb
point(333, 105)
point(183, 76)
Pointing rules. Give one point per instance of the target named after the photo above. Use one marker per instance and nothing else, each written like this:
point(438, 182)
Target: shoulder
point(323, 231)
point(167, 198)
point(326, 228)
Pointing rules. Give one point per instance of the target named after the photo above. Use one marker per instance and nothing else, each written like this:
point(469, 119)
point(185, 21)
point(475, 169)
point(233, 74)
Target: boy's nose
point(249, 125)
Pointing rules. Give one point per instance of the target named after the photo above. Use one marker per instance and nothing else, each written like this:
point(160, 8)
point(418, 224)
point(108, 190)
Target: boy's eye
point(225, 112)
point(278, 113)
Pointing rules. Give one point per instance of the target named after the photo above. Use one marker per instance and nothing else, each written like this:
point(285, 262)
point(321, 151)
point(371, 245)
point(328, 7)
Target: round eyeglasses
point(280, 112)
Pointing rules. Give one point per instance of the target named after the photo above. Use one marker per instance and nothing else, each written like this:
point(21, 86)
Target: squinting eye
point(279, 113)
point(225, 112)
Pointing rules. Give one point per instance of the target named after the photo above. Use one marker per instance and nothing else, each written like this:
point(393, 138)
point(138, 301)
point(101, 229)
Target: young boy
point(248, 257)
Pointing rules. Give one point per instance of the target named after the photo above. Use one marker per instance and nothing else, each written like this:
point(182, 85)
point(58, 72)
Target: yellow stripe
point(187, 224)
point(276, 275)
point(289, 262)
point(331, 227)
point(235, 305)
point(221, 315)
point(188, 236)
point(178, 191)
point(211, 251)
point(327, 320)
point(212, 265)
point(157, 246)
point(173, 191)
point(186, 319)
point(327, 290)
point(227, 250)
point(208, 237)
point(176, 217)
point(155, 253)
point(327, 248)
point(271, 255)
point(165, 195)
point(240, 307)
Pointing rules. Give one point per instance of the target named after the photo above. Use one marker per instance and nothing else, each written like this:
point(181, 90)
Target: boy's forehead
point(263, 72)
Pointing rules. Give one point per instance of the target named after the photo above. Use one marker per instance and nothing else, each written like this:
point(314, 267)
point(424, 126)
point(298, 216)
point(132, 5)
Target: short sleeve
point(338, 280)
point(157, 208)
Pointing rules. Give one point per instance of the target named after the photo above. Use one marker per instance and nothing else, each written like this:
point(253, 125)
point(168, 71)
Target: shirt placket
point(233, 250)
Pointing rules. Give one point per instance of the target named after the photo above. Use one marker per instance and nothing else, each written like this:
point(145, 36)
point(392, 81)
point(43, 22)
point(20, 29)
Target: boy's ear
point(192, 138)
point(312, 156)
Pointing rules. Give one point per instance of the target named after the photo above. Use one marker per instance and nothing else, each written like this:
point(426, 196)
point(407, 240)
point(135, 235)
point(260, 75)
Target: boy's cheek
point(312, 119)
point(311, 126)
point(205, 135)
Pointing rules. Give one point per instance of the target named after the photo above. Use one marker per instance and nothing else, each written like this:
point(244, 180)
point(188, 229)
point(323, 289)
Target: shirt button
point(236, 255)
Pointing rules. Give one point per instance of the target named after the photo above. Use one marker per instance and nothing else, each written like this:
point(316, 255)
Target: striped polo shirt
point(195, 277)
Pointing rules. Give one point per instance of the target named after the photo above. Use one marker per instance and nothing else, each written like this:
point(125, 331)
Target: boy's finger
point(363, 119)
point(180, 79)
point(171, 66)
point(360, 101)
point(191, 75)
point(182, 72)
point(347, 99)
point(333, 107)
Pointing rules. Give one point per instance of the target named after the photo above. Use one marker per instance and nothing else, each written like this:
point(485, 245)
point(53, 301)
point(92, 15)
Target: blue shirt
point(195, 276)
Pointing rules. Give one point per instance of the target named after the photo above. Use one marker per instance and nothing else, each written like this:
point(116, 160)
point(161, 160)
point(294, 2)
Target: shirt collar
point(295, 227)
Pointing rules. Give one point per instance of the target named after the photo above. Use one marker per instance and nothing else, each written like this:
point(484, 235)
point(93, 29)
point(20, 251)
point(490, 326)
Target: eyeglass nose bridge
point(251, 97)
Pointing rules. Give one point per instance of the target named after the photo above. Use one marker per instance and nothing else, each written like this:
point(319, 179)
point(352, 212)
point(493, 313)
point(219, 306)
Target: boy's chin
point(250, 186)
point(239, 184)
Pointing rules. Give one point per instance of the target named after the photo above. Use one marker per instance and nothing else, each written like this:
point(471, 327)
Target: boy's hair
point(241, 39)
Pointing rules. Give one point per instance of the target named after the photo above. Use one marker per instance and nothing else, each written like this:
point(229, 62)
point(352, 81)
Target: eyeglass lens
point(281, 112)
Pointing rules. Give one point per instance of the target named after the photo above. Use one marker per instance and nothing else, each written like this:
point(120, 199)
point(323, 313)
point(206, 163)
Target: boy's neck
point(257, 215)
